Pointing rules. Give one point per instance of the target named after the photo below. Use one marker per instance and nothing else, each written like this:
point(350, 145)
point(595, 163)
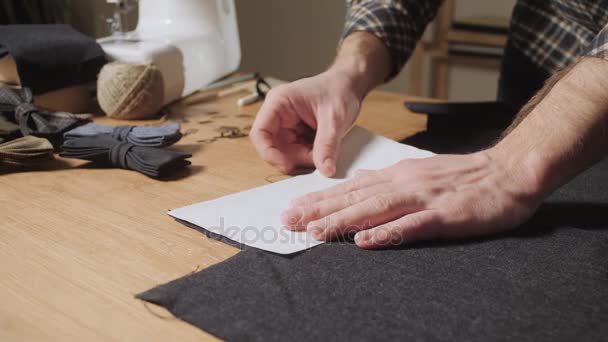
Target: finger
point(365, 172)
point(377, 209)
point(304, 133)
point(274, 114)
point(327, 144)
point(297, 218)
point(301, 158)
point(263, 135)
point(267, 136)
point(291, 136)
point(266, 124)
point(340, 189)
point(308, 135)
point(290, 160)
point(263, 143)
point(418, 226)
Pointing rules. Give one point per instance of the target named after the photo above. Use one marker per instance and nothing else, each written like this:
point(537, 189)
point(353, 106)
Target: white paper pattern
point(252, 217)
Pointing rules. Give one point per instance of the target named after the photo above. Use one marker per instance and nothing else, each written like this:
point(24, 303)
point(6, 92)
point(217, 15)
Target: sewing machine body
point(192, 42)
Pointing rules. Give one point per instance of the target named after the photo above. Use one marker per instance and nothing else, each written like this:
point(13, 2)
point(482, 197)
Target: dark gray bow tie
point(18, 103)
point(8, 130)
point(103, 148)
point(148, 136)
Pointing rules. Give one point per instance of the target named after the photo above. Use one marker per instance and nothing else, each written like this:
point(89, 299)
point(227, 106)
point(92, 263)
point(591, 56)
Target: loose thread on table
point(169, 317)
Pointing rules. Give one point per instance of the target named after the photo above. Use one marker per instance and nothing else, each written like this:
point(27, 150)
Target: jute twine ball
point(130, 91)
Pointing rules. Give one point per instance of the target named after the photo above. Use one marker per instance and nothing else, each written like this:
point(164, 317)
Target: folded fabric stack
point(148, 136)
point(25, 150)
point(129, 147)
point(61, 62)
point(106, 149)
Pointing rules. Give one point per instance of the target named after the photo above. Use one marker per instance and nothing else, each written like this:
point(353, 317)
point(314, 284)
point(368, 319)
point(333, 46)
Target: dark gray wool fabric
point(51, 57)
point(546, 281)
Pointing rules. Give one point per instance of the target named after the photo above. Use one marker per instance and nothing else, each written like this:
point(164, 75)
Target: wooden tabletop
point(78, 242)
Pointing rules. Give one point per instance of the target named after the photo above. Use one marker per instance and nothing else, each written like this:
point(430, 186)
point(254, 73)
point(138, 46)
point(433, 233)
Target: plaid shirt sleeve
point(599, 46)
point(399, 24)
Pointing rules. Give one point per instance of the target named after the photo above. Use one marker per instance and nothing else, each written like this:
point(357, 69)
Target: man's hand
point(301, 124)
point(563, 132)
point(446, 196)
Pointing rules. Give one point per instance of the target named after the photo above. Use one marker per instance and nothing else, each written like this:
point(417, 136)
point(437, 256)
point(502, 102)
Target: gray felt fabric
point(149, 136)
point(546, 281)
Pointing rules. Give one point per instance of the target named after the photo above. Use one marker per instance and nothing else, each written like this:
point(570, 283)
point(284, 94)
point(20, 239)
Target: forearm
point(537, 98)
point(378, 38)
point(564, 133)
point(364, 60)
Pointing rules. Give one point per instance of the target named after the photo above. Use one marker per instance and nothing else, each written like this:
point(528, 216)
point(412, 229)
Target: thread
point(130, 91)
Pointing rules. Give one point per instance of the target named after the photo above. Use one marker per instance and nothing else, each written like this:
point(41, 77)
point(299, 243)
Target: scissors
point(261, 89)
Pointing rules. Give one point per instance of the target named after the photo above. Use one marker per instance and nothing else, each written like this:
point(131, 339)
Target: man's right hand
point(301, 124)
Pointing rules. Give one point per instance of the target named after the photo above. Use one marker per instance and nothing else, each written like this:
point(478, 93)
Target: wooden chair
point(474, 42)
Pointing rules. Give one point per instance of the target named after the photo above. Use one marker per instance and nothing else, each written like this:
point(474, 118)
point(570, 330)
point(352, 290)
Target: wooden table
point(78, 242)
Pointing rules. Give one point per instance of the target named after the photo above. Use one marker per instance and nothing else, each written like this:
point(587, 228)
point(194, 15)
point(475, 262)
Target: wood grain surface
point(78, 242)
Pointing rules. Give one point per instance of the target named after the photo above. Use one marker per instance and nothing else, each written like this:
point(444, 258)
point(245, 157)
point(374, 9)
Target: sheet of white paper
point(252, 217)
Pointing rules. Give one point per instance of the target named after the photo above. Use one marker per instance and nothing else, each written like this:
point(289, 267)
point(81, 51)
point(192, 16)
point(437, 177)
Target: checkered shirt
point(551, 33)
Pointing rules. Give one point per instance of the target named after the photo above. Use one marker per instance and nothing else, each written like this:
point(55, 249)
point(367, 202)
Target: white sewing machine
point(192, 42)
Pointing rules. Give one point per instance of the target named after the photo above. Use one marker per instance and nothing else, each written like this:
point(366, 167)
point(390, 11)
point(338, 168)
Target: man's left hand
point(445, 196)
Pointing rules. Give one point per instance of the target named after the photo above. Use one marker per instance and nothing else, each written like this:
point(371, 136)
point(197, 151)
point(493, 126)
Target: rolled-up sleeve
point(599, 46)
point(399, 24)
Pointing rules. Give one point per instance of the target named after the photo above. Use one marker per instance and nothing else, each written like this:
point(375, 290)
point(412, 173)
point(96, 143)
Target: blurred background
point(458, 59)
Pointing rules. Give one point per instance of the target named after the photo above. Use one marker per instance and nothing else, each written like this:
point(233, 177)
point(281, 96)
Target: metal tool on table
point(261, 90)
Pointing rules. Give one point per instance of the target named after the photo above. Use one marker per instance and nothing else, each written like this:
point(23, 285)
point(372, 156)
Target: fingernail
point(358, 238)
point(329, 166)
point(292, 216)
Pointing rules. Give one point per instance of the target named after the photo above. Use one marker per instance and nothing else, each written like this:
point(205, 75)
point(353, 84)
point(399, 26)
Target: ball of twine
point(130, 91)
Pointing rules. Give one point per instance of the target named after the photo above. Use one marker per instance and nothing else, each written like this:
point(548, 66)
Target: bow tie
point(153, 162)
point(33, 121)
point(148, 136)
point(8, 130)
point(25, 150)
